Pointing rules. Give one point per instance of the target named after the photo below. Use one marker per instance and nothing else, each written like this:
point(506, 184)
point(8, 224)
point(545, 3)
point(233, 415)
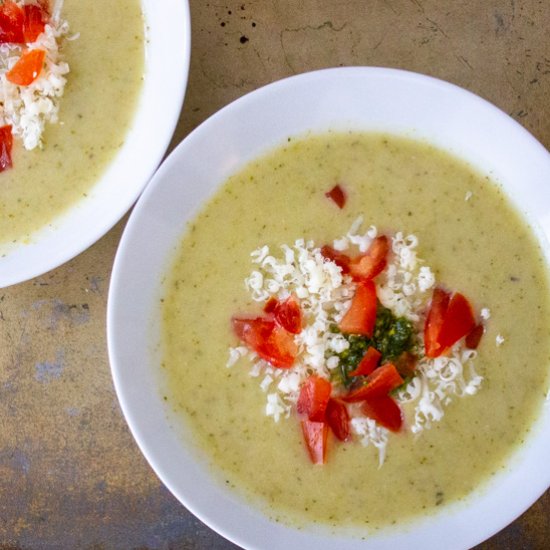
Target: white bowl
point(167, 53)
point(351, 98)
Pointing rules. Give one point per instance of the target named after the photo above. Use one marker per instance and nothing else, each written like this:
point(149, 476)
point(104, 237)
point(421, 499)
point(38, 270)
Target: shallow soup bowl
point(361, 99)
point(167, 36)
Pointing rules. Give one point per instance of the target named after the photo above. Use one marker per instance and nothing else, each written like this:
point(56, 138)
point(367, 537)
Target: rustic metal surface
point(70, 474)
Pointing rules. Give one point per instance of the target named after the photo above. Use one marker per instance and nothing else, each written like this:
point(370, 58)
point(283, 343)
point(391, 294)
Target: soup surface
point(107, 63)
point(479, 246)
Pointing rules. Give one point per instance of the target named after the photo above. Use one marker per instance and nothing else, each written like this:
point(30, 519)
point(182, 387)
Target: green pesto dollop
point(392, 337)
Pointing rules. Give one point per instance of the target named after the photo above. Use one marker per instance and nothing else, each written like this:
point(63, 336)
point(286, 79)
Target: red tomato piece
point(385, 411)
point(337, 195)
point(35, 20)
point(271, 305)
point(434, 322)
point(12, 19)
point(27, 68)
point(272, 343)
point(361, 316)
point(315, 436)
point(341, 260)
point(6, 143)
point(474, 337)
point(382, 381)
point(338, 419)
point(368, 363)
point(314, 397)
point(289, 315)
point(458, 321)
point(373, 262)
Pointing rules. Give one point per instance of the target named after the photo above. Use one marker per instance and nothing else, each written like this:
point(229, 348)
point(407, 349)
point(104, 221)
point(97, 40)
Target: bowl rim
point(115, 337)
point(79, 226)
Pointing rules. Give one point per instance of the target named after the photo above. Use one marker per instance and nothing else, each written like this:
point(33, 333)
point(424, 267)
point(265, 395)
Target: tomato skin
point(6, 144)
point(315, 435)
point(337, 418)
point(314, 397)
point(385, 411)
point(337, 195)
point(369, 362)
point(272, 343)
point(361, 316)
point(458, 322)
point(373, 262)
point(434, 322)
point(474, 336)
point(28, 68)
point(382, 381)
point(341, 260)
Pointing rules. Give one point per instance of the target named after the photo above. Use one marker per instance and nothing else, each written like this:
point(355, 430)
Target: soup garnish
point(351, 332)
point(32, 72)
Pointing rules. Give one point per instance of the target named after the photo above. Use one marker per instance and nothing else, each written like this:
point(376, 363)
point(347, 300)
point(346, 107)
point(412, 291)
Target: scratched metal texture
point(70, 474)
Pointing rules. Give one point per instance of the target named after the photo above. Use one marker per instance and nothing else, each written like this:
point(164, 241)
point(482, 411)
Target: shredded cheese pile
point(29, 108)
point(325, 295)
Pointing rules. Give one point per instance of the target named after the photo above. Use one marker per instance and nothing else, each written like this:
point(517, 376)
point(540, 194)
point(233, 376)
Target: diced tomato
point(368, 363)
point(406, 364)
point(385, 411)
point(337, 418)
point(373, 262)
point(434, 322)
point(361, 316)
point(382, 381)
point(337, 195)
point(315, 436)
point(36, 17)
point(12, 19)
point(314, 397)
point(271, 342)
point(253, 331)
point(27, 68)
point(22, 24)
point(289, 315)
point(458, 321)
point(6, 143)
point(271, 305)
point(341, 260)
point(474, 337)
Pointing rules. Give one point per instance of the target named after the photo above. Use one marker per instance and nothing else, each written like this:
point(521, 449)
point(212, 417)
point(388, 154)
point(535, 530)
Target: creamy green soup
point(107, 63)
point(479, 246)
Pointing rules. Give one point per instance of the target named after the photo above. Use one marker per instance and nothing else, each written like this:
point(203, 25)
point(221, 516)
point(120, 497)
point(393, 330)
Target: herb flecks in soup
point(344, 340)
point(79, 133)
point(479, 247)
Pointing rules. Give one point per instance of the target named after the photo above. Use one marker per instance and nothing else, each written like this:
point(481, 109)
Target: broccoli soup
point(68, 118)
point(338, 320)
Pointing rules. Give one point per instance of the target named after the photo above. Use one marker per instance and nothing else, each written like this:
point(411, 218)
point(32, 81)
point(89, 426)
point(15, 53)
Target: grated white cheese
point(325, 295)
point(369, 432)
point(29, 108)
point(436, 382)
point(404, 284)
point(500, 339)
